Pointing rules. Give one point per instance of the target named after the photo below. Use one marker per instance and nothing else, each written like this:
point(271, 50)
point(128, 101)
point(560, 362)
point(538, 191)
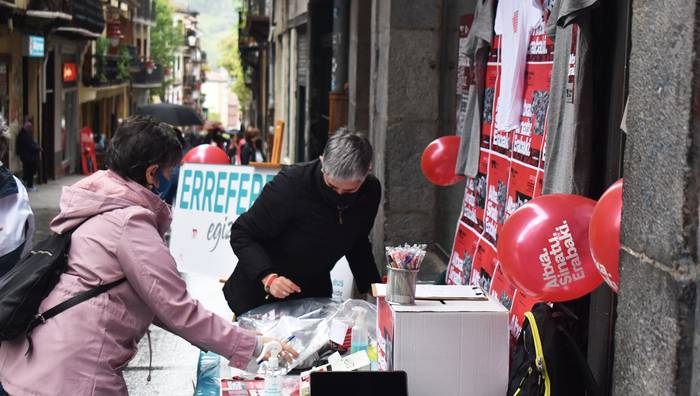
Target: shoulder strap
point(41, 318)
point(540, 362)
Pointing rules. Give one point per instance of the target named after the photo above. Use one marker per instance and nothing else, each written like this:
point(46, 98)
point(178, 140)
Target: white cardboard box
point(446, 347)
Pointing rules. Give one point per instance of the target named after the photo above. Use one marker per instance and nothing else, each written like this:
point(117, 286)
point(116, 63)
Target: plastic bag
point(309, 320)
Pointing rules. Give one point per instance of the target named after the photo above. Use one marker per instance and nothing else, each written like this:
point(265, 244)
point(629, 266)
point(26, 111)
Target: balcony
point(257, 20)
point(105, 71)
point(143, 79)
point(134, 63)
point(50, 10)
point(146, 11)
point(83, 18)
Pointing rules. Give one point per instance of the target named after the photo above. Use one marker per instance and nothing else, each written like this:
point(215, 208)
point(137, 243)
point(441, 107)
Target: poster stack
point(511, 172)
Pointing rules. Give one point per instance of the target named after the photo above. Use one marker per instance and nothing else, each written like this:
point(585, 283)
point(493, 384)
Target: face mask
point(341, 201)
point(163, 185)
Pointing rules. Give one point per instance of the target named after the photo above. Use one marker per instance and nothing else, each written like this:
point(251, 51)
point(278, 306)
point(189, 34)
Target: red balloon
point(206, 154)
point(604, 235)
point(440, 159)
point(543, 248)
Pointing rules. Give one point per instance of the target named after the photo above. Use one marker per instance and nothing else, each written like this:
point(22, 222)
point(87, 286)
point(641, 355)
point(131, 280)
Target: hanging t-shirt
point(515, 21)
point(570, 115)
point(478, 43)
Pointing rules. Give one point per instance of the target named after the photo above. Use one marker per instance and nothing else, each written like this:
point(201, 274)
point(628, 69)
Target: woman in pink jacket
point(83, 350)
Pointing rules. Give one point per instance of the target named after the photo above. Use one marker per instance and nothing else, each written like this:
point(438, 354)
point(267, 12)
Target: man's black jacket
point(294, 231)
point(27, 148)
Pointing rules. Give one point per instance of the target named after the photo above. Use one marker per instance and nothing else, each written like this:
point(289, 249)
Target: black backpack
point(547, 360)
point(24, 287)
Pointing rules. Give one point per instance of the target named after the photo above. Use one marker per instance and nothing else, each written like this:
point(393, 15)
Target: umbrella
point(172, 114)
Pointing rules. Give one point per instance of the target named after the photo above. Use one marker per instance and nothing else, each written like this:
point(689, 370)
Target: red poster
point(510, 174)
point(484, 264)
point(462, 260)
point(489, 113)
point(496, 195)
point(521, 186)
point(502, 289)
point(540, 182)
point(528, 142)
point(521, 304)
point(385, 335)
point(475, 196)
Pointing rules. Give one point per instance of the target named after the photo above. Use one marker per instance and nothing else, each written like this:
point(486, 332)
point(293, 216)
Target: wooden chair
point(276, 153)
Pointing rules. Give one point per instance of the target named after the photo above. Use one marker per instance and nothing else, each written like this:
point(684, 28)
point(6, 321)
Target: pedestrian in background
point(28, 151)
point(121, 221)
point(17, 219)
point(252, 150)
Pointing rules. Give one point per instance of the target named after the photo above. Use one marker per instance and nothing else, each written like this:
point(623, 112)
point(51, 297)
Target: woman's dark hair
point(251, 134)
point(141, 142)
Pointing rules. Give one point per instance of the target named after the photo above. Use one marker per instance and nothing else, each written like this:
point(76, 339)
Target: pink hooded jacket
point(83, 350)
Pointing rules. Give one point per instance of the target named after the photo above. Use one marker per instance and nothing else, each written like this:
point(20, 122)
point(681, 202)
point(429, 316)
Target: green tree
point(165, 39)
point(231, 61)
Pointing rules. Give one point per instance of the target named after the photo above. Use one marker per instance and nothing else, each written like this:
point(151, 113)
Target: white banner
point(209, 199)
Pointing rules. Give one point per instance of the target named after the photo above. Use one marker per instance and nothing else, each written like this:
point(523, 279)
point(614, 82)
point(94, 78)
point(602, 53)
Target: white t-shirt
point(16, 221)
point(515, 21)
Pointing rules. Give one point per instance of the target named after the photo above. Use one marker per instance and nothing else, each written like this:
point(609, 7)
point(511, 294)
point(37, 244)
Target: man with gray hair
point(305, 220)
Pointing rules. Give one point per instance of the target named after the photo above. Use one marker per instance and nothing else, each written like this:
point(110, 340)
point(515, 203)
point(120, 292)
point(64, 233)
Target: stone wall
point(655, 335)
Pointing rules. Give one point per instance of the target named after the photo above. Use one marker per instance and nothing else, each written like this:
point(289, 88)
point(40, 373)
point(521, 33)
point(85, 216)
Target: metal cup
point(401, 286)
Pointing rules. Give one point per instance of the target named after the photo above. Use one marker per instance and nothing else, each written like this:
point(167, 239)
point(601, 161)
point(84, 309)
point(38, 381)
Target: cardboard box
point(446, 347)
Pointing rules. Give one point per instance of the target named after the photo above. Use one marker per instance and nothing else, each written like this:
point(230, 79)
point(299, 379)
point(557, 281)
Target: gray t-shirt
point(569, 118)
point(471, 105)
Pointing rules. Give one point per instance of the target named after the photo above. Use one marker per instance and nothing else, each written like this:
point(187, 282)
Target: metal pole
point(339, 65)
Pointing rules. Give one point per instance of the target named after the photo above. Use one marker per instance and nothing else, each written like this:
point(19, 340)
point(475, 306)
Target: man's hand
point(281, 287)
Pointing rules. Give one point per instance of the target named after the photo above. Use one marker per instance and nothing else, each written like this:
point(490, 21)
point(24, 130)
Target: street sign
point(35, 47)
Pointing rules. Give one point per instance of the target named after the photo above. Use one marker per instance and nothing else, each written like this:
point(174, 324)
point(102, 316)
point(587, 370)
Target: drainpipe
point(339, 65)
point(338, 97)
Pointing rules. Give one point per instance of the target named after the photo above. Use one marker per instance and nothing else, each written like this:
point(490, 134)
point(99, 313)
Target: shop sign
point(70, 72)
point(36, 47)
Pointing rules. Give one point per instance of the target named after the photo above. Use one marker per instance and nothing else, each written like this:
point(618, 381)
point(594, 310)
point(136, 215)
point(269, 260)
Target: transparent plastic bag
point(309, 321)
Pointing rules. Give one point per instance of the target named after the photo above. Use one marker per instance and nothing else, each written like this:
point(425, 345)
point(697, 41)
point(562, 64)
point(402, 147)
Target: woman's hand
point(288, 353)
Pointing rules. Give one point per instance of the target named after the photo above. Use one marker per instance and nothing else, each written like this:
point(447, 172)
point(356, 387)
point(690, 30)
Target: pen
point(286, 341)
